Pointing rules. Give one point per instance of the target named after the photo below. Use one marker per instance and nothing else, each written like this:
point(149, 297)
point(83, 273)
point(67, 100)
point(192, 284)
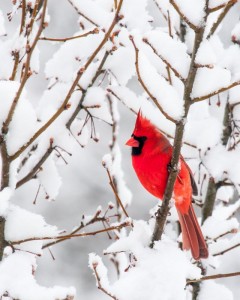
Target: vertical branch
point(4, 184)
point(163, 211)
point(212, 185)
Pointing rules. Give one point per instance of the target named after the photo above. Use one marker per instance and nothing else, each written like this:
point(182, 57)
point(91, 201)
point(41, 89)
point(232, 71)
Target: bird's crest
point(143, 124)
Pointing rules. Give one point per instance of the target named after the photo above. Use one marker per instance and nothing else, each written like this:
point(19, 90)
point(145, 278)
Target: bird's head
point(145, 135)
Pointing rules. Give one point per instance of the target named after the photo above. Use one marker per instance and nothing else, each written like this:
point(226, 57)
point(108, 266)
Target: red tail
point(192, 235)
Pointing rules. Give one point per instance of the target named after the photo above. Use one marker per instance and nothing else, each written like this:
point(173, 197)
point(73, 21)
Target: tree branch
point(163, 211)
point(81, 14)
point(94, 31)
point(135, 112)
point(71, 90)
point(84, 92)
point(183, 16)
point(34, 170)
point(197, 99)
point(217, 276)
point(26, 74)
point(164, 60)
point(99, 285)
point(115, 191)
point(220, 18)
point(226, 250)
point(69, 236)
point(154, 99)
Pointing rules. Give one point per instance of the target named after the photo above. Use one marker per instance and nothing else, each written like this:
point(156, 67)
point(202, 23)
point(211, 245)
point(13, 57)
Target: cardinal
point(151, 158)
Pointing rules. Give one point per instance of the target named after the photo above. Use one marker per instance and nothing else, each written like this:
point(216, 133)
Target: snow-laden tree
point(184, 58)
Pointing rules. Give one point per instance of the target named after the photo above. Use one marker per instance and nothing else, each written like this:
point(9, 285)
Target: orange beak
point(132, 143)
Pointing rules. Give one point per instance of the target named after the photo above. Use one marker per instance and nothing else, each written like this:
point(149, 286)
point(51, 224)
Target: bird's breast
point(152, 172)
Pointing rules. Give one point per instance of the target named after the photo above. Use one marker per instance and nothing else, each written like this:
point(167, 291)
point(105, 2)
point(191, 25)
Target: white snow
point(210, 80)
point(2, 27)
point(196, 15)
point(159, 271)
point(17, 279)
point(166, 95)
point(210, 290)
point(174, 52)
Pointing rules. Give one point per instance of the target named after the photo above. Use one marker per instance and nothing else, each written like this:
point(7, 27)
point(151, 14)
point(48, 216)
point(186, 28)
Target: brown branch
point(226, 250)
point(71, 90)
point(94, 31)
point(69, 236)
point(96, 218)
point(15, 66)
point(115, 191)
point(84, 92)
point(181, 14)
point(26, 73)
point(222, 15)
point(35, 169)
point(165, 61)
point(135, 112)
point(99, 285)
point(197, 99)
point(163, 211)
point(217, 276)
point(81, 14)
point(154, 99)
point(23, 18)
point(210, 199)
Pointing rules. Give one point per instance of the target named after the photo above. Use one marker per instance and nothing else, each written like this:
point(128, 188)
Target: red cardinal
point(151, 157)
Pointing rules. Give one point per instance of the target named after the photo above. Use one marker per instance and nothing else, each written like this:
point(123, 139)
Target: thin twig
point(84, 92)
point(226, 250)
point(115, 191)
point(96, 218)
point(99, 285)
point(94, 31)
point(222, 15)
point(69, 236)
point(217, 276)
point(81, 14)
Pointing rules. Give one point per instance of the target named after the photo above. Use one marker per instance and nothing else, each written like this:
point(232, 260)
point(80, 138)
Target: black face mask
point(141, 140)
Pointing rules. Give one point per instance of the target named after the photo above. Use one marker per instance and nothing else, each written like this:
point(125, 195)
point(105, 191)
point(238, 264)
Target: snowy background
point(84, 181)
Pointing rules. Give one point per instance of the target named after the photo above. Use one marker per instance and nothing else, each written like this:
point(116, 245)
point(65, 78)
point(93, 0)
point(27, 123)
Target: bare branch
point(81, 14)
point(99, 285)
point(163, 211)
point(84, 92)
point(115, 191)
point(94, 31)
point(226, 250)
point(96, 218)
point(35, 169)
point(217, 276)
point(70, 236)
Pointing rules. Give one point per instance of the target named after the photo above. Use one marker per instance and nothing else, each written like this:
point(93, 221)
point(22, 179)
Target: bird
point(151, 158)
